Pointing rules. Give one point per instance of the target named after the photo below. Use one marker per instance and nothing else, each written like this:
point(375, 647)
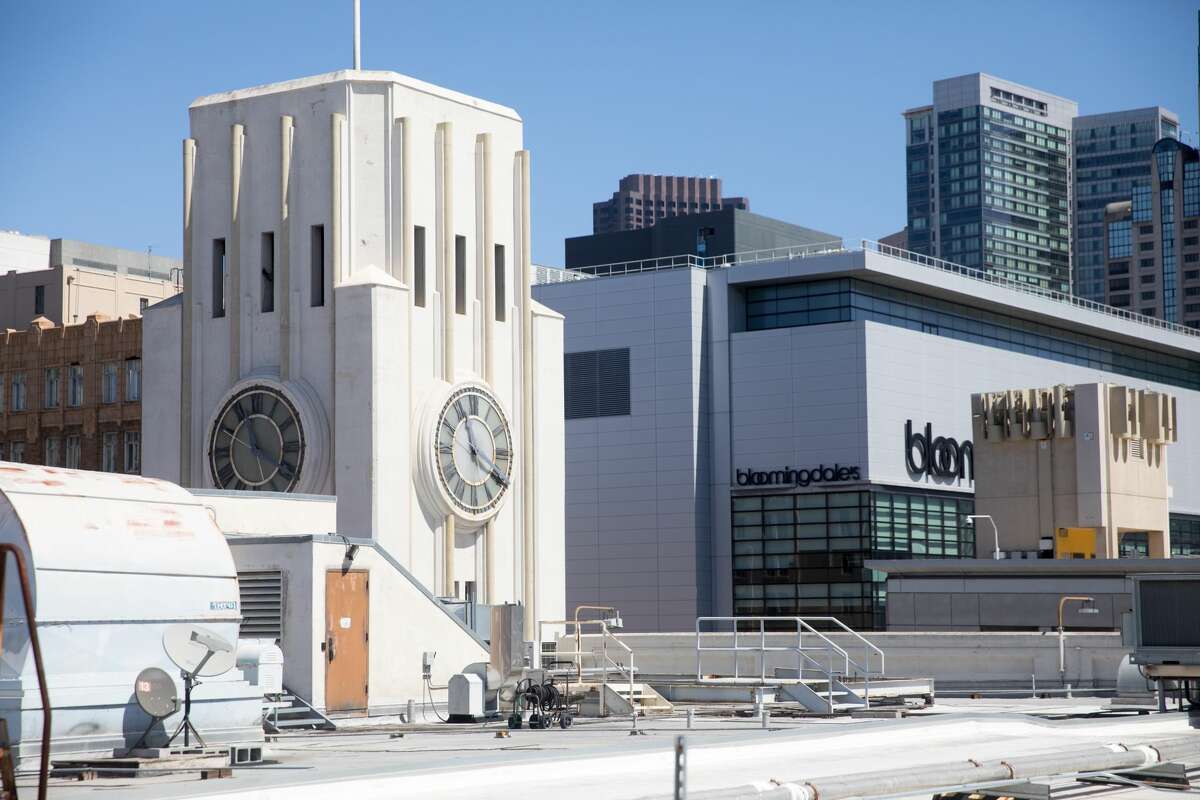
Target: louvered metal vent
point(597, 383)
point(261, 593)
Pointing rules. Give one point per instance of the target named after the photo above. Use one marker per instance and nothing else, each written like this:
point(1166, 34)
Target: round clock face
point(473, 450)
point(257, 442)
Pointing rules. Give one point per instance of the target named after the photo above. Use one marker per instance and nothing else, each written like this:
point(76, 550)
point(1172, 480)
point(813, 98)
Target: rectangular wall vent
point(596, 383)
point(261, 594)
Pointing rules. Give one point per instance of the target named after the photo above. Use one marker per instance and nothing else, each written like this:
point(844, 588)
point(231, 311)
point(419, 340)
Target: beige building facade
point(1077, 470)
point(81, 279)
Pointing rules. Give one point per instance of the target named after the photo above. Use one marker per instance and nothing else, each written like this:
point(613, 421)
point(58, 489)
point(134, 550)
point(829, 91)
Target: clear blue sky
point(795, 104)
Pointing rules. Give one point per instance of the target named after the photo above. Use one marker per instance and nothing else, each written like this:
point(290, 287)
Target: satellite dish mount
point(198, 652)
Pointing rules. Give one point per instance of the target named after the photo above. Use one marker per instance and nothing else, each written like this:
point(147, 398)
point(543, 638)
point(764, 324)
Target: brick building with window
point(70, 395)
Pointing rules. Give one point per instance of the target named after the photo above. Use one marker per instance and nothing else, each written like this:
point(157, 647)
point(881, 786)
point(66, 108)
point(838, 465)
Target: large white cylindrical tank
point(113, 560)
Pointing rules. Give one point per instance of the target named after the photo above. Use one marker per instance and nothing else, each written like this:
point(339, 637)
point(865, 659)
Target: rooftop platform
point(600, 759)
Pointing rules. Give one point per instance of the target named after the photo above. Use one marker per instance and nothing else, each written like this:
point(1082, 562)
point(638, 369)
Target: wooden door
point(346, 605)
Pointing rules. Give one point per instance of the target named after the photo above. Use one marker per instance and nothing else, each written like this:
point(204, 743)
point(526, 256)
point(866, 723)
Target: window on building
point(133, 451)
point(108, 382)
point(842, 300)
point(75, 385)
point(1120, 239)
point(1141, 205)
point(418, 278)
point(143, 304)
point(499, 268)
point(266, 289)
point(51, 397)
point(316, 270)
point(16, 452)
point(108, 452)
point(17, 395)
point(596, 383)
point(218, 278)
point(73, 452)
point(133, 379)
point(39, 300)
point(804, 554)
point(460, 274)
point(52, 451)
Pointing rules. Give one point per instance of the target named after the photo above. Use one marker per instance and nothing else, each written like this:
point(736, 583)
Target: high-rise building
point(642, 200)
point(1111, 154)
point(1152, 241)
point(989, 179)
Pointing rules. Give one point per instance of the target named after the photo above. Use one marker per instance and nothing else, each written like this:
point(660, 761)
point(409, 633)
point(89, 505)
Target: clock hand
point(500, 478)
point(491, 465)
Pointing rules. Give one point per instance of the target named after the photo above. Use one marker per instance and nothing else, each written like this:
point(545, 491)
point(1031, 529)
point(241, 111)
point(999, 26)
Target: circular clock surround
point(468, 451)
point(267, 436)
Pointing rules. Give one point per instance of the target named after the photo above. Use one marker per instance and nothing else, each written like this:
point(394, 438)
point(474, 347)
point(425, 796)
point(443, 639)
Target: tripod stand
point(185, 725)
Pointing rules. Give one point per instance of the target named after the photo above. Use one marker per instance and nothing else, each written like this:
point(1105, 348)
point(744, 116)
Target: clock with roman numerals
point(257, 442)
point(473, 450)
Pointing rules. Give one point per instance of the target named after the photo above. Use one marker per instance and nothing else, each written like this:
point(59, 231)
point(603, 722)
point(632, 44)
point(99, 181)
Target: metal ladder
point(821, 665)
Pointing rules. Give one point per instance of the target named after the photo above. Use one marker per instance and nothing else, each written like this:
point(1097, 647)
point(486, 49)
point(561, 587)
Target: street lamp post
point(1089, 607)
point(995, 531)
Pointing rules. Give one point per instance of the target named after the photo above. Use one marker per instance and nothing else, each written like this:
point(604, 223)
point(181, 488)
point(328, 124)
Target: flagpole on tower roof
point(357, 38)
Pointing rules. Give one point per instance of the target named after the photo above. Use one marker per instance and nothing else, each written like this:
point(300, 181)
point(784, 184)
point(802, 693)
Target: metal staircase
point(822, 668)
point(604, 677)
point(289, 711)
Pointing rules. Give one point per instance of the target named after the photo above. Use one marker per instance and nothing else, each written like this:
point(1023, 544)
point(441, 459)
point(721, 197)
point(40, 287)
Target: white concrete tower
point(356, 321)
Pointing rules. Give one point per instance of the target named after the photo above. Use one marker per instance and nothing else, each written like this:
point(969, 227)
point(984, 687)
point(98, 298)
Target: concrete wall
point(394, 650)
point(919, 603)
point(953, 660)
point(23, 253)
point(72, 293)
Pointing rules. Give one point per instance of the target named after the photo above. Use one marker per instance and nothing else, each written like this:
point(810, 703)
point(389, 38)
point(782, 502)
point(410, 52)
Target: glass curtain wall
point(803, 554)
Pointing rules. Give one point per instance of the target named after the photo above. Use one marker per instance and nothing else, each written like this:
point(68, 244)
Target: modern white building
point(741, 438)
point(356, 321)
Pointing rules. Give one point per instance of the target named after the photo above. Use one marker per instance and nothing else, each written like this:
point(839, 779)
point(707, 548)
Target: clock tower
point(356, 321)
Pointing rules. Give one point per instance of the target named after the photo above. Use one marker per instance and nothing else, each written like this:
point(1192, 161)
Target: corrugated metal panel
point(596, 383)
point(262, 604)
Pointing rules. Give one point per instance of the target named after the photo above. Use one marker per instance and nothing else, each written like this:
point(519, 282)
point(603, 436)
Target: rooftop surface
point(600, 759)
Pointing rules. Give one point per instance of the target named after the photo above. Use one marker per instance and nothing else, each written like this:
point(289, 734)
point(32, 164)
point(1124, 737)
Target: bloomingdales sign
point(797, 477)
point(941, 457)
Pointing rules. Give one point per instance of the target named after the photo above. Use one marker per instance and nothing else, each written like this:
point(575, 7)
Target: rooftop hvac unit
point(1164, 628)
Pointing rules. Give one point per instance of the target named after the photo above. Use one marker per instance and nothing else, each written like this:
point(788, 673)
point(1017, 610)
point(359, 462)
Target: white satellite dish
point(198, 651)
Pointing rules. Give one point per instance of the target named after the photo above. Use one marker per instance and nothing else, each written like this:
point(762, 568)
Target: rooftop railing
point(1026, 288)
point(547, 275)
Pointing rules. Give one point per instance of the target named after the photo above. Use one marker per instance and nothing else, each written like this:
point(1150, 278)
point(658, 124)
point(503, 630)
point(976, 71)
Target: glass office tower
point(1112, 155)
point(989, 179)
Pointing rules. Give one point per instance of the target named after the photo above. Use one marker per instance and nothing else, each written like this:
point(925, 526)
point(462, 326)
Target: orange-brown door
point(346, 604)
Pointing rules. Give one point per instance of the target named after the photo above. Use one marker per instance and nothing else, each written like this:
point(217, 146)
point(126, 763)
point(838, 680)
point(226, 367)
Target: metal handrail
point(834, 652)
point(831, 649)
point(1025, 288)
point(868, 645)
point(605, 659)
point(787, 253)
point(552, 275)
